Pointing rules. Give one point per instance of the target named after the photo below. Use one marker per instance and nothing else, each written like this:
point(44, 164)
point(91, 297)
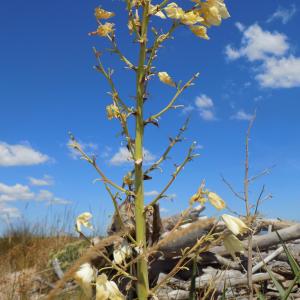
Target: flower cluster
point(199, 18)
point(202, 16)
point(203, 195)
point(105, 289)
point(113, 112)
point(236, 226)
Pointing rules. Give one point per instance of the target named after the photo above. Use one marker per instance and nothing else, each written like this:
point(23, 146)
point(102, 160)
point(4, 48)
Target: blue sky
point(48, 87)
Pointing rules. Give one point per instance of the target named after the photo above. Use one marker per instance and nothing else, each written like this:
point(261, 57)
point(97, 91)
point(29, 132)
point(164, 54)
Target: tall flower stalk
point(198, 19)
point(140, 225)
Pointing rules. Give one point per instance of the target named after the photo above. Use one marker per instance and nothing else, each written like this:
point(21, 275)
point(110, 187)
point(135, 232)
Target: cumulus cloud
point(205, 106)
point(15, 192)
point(242, 116)
point(9, 193)
point(123, 156)
point(7, 212)
point(283, 14)
point(45, 181)
point(257, 44)
point(20, 155)
point(277, 68)
point(187, 109)
point(280, 73)
point(50, 198)
point(204, 101)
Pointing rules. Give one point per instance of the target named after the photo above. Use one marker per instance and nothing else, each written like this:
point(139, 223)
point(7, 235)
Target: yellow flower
point(123, 251)
point(165, 78)
point(83, 220)
point(107, 289)
point(214, 11)
point(200, 195)
point(191, 18)
point(173, 11)
point(216, 201)
point(136, 3)
point(234, 224)
point(127, 179)
point(233, 244)
point(112, 111)
point(84, 277)
point(104, 30)
point(103, 14)
point(200, 31)
point(153, 11)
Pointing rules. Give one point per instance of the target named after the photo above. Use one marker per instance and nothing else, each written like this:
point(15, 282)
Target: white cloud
point(242, 115)
point(257, 44)
point(277, 67)
point(19, 192)
point(205, 106)
point(151, 193)
point(283, 14)
point(123, 156)
point(45, 181)
point(15, 192)
point(207, 115)
point(240, 26)
point(89, 148)
point(203, 101)
point(20, 155)
point(187, 109)
point(7, 213)
point(50, 198)
point(9, 193)
point(280, 73)
point(231, 53)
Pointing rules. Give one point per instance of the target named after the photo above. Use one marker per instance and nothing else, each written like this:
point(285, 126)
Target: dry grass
point(24, 255)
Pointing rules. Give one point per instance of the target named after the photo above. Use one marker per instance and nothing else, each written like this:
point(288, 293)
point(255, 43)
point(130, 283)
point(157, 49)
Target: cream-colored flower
point(216, 201)
point(107, 289)
point(84, 277)
point(233, 244)
point(83, 220)
point(173, 11)
point(112, 111)
point(214, 11)
point(153, 11)
point(234, 224)
point(165, 78)
point(191, 18)
point(200, 31)
point(134, 23)
point(103, 14)
point(105, 29)
point(122, 252)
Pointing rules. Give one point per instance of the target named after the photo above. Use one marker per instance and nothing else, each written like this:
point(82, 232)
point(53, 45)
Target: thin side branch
point(173, 142)
point(187, 159)
point(170, 104)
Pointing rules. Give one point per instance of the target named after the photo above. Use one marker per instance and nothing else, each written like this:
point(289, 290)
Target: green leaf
point(278, 286)
point(261, 296)
point(290, 288)
point(293, 263)
point(223, 297)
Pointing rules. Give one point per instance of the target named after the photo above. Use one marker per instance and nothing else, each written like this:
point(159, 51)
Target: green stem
point(142, 267)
